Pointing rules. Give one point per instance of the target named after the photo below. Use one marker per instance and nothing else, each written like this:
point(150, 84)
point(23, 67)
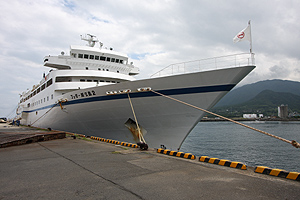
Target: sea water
point(226, 140)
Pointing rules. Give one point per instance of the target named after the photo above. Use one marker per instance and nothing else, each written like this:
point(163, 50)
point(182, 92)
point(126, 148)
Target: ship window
point(118, 72)
point(107, 69)
point(28, 105)
point(38, 90)
point(44, 99)
point(107, 81)
point(43, 87)
point(63, 79)
point(49, 82)
point(102, 58)
point(92, 56)
point(51, 96)
point(34, 93)
point(113, 59)
point(47, 98)
point(82, 80)
point(117, 60)
point(108, 59)
point(113, 81)
point(99, 69)
point(96, 57)
point(86, 68)
point(101, 80)
point(121, 61)
point(80, 55)
point(86, 56)
point(74, 55)
point(89, 80)
point(96, 81)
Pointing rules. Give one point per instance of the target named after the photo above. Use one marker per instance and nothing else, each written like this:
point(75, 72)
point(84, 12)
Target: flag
point(245, 34)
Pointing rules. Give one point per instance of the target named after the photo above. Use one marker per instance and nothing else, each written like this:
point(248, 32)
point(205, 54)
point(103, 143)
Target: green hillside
point(266, 102)
point(247, 92)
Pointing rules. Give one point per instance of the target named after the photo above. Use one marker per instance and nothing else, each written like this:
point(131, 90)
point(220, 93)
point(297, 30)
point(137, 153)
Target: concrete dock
point(89, 169)
point(18, 135)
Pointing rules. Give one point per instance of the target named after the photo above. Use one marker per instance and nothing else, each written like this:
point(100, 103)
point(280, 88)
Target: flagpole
point(252, 56)
point(250, 36)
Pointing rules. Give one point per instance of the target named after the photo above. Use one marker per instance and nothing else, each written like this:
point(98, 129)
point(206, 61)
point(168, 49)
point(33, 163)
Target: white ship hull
point(167, 122)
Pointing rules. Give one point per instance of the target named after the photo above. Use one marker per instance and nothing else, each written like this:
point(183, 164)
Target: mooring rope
point(44, 113)
point(137, 124)
point(293, 142)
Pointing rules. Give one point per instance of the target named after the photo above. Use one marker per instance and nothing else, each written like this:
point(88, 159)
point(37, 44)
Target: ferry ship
point(92, 91)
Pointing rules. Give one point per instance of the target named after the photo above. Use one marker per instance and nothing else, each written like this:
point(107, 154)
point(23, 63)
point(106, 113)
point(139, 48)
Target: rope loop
point(295, 144)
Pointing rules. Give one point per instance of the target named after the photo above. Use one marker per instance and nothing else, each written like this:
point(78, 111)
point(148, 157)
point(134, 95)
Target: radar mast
point(91, 39)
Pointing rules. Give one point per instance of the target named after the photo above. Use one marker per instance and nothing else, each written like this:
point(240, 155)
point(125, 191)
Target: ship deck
point(90, 169)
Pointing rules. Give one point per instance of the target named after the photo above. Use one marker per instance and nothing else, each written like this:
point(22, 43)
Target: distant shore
point(252, 119)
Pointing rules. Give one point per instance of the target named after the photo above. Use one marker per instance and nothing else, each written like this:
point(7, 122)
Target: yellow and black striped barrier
point(177, 154)
point(278, 172)
point(99, 139)
point(115, 142)
point(129, 145)
point(226, 163)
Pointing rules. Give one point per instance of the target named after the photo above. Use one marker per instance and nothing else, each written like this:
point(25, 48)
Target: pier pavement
point(18, 135)
point(88, 169)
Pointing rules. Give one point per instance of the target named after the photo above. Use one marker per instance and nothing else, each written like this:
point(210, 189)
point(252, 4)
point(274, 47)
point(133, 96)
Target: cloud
point(154, 34)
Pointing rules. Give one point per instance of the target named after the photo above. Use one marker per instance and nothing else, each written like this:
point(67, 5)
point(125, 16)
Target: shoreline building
point(253, 116)
point(283, 111)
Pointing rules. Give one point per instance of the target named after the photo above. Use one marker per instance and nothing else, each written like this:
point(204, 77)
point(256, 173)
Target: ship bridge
point(92, 58)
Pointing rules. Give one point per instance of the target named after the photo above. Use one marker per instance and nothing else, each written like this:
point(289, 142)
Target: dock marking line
point(86, 169)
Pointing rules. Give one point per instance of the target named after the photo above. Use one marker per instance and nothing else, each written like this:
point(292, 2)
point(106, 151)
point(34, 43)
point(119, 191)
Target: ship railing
point(221, 62)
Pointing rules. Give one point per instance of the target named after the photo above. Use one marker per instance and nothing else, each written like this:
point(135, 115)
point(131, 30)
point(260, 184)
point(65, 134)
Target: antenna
point(91, 39)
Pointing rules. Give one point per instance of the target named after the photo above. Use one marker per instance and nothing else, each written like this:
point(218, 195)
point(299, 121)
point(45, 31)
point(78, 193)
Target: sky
point(154, 34)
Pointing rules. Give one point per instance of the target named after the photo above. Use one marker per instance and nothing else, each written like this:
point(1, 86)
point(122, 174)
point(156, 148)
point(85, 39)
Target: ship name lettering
point(83, 94)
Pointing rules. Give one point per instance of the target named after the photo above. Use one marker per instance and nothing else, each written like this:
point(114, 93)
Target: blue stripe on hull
point(178, 91)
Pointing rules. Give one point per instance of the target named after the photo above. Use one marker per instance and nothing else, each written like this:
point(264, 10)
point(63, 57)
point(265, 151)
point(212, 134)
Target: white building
point(250, 116)
point(283, 111)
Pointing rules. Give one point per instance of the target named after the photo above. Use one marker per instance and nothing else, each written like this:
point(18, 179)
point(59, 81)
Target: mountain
point(247, 92)
point(274, 99)
point(268, 101)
